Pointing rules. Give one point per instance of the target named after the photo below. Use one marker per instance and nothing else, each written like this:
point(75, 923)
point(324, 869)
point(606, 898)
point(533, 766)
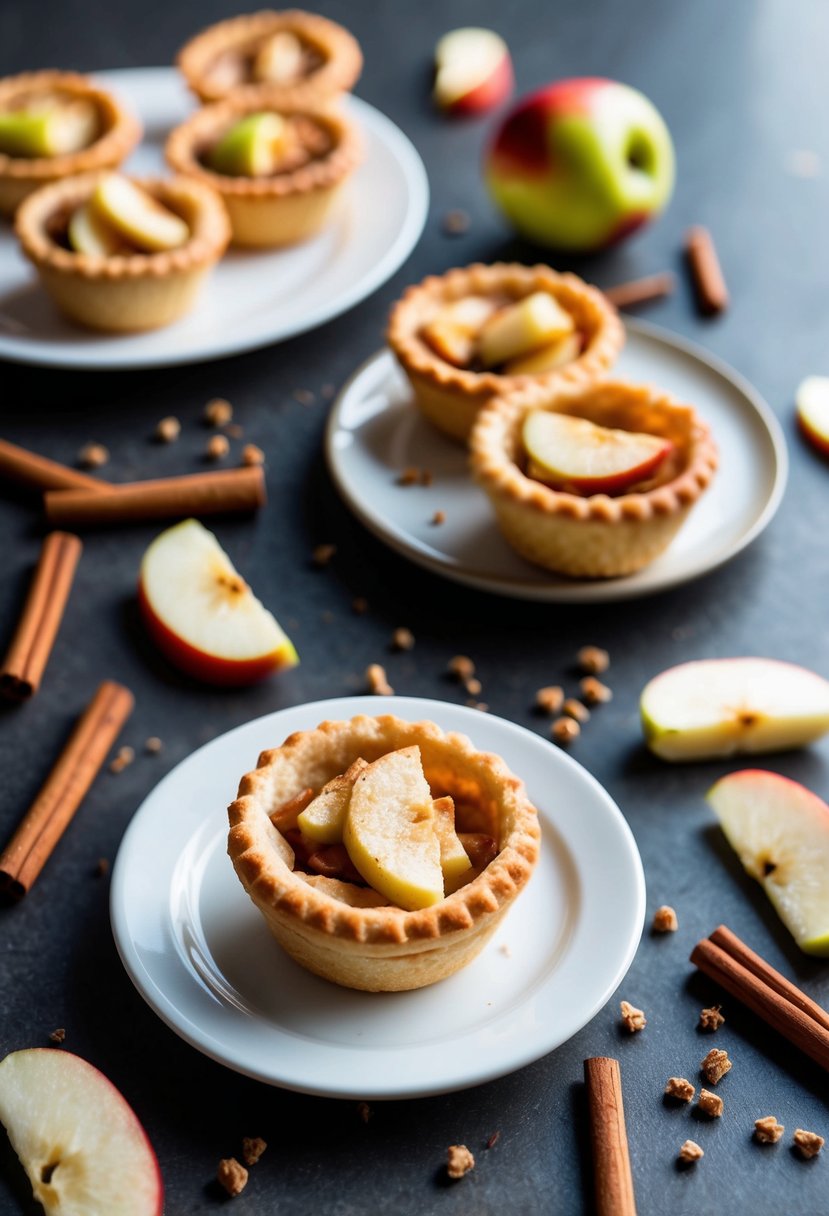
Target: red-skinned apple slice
point(812, 402)
point(473, 71)
point(202, 615)
point(575, 454)
point(84, 1150)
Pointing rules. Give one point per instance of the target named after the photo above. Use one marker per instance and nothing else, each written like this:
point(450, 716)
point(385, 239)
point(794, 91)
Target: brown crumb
point(426, 477)
point(505, 950)
point(473, 686)
point(715, 1065)
point(808, 1144)
point(455, 222)
point(304, 396)
point(364, 1111)
point(710, 1104)
point(409, 477)
point(252, 1149)
point(327, 391)
point(633, 1019)
point(459, 1160)
point(57, 1036)
point(710, 1019)
point(123, 757)
point(232, 1176)
point(153, 745)
point(664, 920)
point(102, 867)
point(493, 1140)
point(461, 667)
point(322, 554)
point(234, 431)
point(767, 1130)
point(252, 455)
point(377, 682)
point(679, 1088)
point(565, 731)
point(593, 660)
point(328, 616)
point(93, 455)
point(594, 692)
point(217, 447)
point(439, 517)
point(550, 699)
point(167, 430)
point(481, 706)
point(402, 639)
point(218, 412)
point(575, 709)
point(690, 1152)
point(359, 605)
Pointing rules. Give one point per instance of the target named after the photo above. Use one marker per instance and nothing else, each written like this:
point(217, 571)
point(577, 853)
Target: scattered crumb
point(481, 706)
point(505, 950)
point(679, 1088)
point(803, 162)
point(565, 731)
point(364, 1111)
point(767, 1130)
point(426, 477)
point(715, 1065)
point(304, 396)
point(593, 660)
point(575, 709)
point(217, 447)
point(322, 554)
point(234, 431)
point(252, 455)
point(633, 1019)
point(493, 1140)
point(594, 692)
point(455, 222)
point(402, 639)
point(690, 1152)
point(102, 867)
point(711, 1019)
point(123, 757)
point(167, 430)
point(439, 517)
point(153, 745)
point(218, 412)
point(93, 455)
point(664, 920)
point(409, 476)
point(359, 605)
point(327, 616)
point(459, 1160)
point(710, 1104)
point(473, 686)
point(377, 682)
point(461, 667)
point(232, 1176)
point(808, 1144)
point(327, 391)
point(57, 1036)
point(550, 699)
point(252, 1149)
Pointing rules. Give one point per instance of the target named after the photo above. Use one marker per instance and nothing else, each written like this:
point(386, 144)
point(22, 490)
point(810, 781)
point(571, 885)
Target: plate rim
point(584, 591)
point(417, 181)
point(164, 1007)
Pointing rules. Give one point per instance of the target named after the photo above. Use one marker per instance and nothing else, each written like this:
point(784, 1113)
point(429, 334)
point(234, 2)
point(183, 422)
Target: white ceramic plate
point(374, 432)
point(200, 953)
point(252, 298)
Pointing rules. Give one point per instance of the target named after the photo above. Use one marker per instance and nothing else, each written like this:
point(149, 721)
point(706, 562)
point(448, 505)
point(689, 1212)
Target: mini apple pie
point(300, 59)
point(54, 125)
point(279, 172)
point(121, 255)
point(382, 853)
point(593, 480)
point(482, 331)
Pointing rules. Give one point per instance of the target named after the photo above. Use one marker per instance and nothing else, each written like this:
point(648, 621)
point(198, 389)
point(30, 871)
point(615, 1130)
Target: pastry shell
point(127, 292)
point(268, 212)
point(121, 131)
point(382, 949)
point(342, 60)
point(451, 397)
point(596, 536)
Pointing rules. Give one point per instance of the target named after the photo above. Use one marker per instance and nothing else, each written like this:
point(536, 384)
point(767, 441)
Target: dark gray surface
point(742, 86)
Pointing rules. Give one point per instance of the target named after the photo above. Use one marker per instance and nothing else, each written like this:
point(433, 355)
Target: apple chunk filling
point(266, 143)
point(580, 457)
point(48, 126)
point(121, 218)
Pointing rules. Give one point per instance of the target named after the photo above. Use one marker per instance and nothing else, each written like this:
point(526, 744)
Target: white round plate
point(202, 956)
point(374, 433)
point(252, 298)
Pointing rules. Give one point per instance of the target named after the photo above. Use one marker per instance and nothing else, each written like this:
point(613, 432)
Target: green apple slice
point(136, 215)
point(48, 130)
point(390, 831)
point(589, 459)
point(251, 148)
point(522, 327)
point(721, 707)
point(90, 234)
point(323, 819)
point(454, 860)
point(279, 59)
point(780, 832)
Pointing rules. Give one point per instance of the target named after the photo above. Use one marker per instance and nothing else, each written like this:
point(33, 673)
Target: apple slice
point(575, 454)
point(547, 359)
point(720, 707)
point(453, 857)
point(453, 332)
point(523, 327)
point(49, 130)
point(780, 832)
point(346, 892)
point(136, 215)
point(90, 234)
point(251, 147)
point(78, 1140)
point(323, 819)
point(202, 615)
point(279, 59)
point(812, 400)
point(473, 71)
point(390, 831)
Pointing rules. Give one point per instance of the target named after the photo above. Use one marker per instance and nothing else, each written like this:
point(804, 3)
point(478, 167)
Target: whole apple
point(581, 163)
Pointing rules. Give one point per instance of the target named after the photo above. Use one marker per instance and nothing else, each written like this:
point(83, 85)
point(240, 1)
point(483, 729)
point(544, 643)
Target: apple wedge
point(523, 327)
point(323, 819)
point(721, 707)
point(279, 59)
point(563, 350)
point(812, 401)
point(453, 332)
point(49, 130)
point(252, 146)
point(137, 216)
point(202, 615)
point(473, 71)
point(78, 1140)
point(346, 892)
point(390, 831)
point(454, 860)
point(780, 832)
point(91, 235)
point(575, 454)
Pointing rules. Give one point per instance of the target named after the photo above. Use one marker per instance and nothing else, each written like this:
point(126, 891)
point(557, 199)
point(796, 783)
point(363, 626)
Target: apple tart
point(300, 59)
point(482, 331)
point(54, 125)
point(382, 854)
point(594, 480)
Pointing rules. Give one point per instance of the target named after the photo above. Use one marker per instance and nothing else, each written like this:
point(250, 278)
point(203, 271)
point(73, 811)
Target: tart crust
point(451, 397)
point(342, 60)
point(596, 536)
point(127, 292)
point(267, 212)
point(382, 949)
point(120, 132)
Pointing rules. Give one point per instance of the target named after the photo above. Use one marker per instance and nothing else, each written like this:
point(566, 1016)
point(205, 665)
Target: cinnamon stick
point(641, 291)
point(611, 1160)
point(32, 643)
point(220, 493)
point(34, 472)
point(732, 944)
point(789, 1019)
point(76, 768)
point(706, 272)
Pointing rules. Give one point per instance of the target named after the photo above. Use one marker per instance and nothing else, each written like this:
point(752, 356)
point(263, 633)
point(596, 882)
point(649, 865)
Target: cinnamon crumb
point(680, 1089)
point(252, 455)
point(565, 731)
point(439, 517)
point(550, 699)
point(327, 616)
point(461, 667)
point(153, 745)
point(505, 950)
point(377, 682)
point(234, 431)
point(455, 222)
point(426, 477)
point(690, 1152)
point(808, 1144)
point(593, 660)
point(304, 396)
point(322, 554)
point(575, 709)
point(123, 757)
point(767, 1130)
point(252, 1149)
point(217, 447)
point(633, 1019)
point(409, 477)
point(102, 867)
point(359, 605)
point(93, 455)
point(715, 1065)
point(459, 1160)
point(664, 920)
point(218, 412)
point(473, 686)
point(232, 1176)
point(710, 1104)
point(364, 1111)
point(493, 1140)
point(402, 639)
point(481, 706)
point(594, 692)
point(711, 1019)
point(167, 430)
point(57, 1036)
point(327, 391)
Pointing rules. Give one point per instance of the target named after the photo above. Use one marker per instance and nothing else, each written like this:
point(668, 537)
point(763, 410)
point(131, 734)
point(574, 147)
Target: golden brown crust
point(339, 51)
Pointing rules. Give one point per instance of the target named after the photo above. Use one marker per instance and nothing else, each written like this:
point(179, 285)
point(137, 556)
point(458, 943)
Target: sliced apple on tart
point(577, 455)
